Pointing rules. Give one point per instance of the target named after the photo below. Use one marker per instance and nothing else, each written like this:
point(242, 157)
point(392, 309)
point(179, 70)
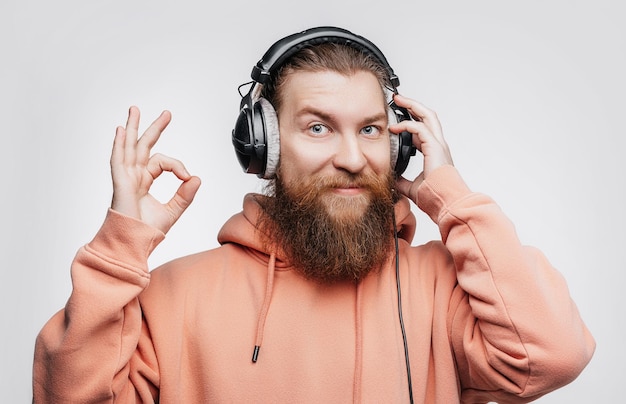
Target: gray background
point(531, 96)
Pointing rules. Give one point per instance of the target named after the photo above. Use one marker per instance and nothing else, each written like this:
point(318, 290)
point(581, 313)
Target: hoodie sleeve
point(96, 349)
point(515, 332)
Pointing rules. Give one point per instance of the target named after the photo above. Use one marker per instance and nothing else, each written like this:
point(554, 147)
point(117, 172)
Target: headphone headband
point(280, 51)
point(256, 133)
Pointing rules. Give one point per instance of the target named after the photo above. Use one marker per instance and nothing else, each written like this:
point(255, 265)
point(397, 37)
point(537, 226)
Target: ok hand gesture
point(133, 171)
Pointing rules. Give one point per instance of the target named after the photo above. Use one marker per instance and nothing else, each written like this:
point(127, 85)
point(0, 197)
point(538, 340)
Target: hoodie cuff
point(125, 239)
point(441, 189)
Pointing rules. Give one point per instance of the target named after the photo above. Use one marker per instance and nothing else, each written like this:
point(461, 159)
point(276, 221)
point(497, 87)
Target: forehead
point(330, 88)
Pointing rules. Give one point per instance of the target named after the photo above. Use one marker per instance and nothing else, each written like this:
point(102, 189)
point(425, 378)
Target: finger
point(409, 188)
point(420, 132)
point(417, 109)
point(159, 163)
point(421, 113)
point(183, 197)
point(132, 128)
point(424, 139)
point(152, 134)
point(434, 151)
point(403, 185)
point(117, 154)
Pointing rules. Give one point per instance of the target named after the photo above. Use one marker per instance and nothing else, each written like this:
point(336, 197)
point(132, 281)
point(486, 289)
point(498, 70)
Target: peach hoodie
point(486, 318)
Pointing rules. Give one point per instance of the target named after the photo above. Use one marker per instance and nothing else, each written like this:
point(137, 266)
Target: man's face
point(333, 128)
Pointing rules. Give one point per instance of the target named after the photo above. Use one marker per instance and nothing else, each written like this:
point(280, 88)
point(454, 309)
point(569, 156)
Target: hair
point(343, 59)
point(328, 240)
point(295, 217)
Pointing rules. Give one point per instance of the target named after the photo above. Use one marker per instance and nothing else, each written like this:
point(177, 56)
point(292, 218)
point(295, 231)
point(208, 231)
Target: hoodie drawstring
point(269, 286)
point(358, 351)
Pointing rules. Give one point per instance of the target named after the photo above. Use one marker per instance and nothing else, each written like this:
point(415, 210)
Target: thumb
point(183, 197)
point(409, 188)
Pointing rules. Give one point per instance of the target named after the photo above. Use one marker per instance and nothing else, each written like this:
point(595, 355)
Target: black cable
point(406, 345)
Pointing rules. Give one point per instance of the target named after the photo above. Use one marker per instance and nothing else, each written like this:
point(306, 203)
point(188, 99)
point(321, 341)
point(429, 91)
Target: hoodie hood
point(241, 229)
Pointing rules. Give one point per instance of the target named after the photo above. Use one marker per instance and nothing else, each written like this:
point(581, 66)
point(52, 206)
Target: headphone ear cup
point(272, 137)
point(394, 139)
point(402, 147)
point(250, 137)
point(244, 140)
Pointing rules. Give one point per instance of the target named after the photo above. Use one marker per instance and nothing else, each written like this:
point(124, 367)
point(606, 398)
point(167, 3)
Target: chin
point(346, 207)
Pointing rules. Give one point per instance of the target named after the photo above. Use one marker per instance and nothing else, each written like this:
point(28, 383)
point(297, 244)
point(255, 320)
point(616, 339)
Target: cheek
point(298, 160)
point(379, 157)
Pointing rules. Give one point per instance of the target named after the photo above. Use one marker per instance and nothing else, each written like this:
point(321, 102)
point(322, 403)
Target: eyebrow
point(332, 117)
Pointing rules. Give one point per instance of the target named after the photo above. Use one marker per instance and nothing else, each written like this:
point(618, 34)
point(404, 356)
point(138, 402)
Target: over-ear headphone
point(256, 135)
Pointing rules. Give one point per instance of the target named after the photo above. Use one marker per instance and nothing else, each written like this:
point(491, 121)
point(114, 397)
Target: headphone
point(256, 135)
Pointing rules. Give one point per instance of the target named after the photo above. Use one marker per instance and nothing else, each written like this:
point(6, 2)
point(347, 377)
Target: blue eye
point(318, 129)
point(370, 131)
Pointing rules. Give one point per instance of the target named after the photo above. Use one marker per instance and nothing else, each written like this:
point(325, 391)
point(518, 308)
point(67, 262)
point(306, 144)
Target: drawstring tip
point(255, 354)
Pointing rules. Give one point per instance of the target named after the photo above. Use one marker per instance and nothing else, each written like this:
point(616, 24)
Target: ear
point(272, 138)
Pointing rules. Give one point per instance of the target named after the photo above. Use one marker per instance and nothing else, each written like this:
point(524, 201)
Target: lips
point(348, 185)
point(348, 190)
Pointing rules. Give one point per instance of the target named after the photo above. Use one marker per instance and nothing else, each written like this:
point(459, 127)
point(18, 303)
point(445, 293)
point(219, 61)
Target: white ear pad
point(394, 139)
point(272, 138)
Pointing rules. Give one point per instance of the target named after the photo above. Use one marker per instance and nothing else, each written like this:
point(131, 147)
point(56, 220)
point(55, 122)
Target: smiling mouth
point(348, 191)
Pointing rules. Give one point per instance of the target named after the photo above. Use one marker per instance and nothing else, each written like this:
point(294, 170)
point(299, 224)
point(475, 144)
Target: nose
point(349, 155)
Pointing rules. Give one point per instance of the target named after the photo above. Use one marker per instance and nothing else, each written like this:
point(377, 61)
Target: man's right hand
point(133, 171)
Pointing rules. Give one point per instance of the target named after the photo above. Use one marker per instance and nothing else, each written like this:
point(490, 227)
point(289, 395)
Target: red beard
point(329, 237)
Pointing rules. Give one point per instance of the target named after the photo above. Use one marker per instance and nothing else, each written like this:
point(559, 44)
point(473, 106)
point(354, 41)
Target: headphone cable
point(404, 340)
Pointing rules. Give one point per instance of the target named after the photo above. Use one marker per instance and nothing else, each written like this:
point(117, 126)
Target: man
point(315, 294)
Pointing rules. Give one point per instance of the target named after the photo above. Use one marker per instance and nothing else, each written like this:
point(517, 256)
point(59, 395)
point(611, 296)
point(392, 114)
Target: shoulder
point(214, 268)
point(429, 263)
point(433, 253)
point(199, 264)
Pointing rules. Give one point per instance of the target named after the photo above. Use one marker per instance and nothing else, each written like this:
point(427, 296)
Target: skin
point(133, 171)
point(427, 137)
point(330, 123)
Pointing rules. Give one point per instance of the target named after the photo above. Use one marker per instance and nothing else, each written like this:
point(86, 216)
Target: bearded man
point(303, 302)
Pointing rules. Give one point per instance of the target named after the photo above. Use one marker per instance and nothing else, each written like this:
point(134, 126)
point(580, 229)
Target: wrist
point(440, 189)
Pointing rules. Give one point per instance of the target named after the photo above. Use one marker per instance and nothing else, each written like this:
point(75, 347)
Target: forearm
point(83, 352)
point(515, 326)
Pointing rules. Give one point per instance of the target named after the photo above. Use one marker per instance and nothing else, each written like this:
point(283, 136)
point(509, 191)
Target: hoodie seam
point(495, 286)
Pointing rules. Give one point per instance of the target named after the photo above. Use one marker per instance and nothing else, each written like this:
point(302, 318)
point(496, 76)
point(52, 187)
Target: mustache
point(348, 180)
point(318, 232)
